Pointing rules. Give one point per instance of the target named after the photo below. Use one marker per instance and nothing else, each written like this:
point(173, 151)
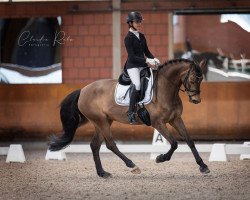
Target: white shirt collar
point(135, 32)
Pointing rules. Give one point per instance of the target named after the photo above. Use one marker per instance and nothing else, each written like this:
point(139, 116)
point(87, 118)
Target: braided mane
point(178, 60)
point(173, 61)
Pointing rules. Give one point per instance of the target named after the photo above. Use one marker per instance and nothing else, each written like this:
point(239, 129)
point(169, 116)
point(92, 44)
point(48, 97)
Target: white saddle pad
point(122, 93)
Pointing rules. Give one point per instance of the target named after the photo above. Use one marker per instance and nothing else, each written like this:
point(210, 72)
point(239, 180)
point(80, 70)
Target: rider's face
point(137, 25)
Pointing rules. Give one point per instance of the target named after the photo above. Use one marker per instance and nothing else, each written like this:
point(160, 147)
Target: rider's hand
point(151, 62)
point(157, 61)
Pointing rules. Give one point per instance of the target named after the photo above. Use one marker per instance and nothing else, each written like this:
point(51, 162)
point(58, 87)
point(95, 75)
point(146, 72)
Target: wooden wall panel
point(31, 112)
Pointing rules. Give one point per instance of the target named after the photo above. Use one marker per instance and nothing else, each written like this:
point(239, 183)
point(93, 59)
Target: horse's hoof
point(136, 170)
point(130, 164)
point(105, 175)
point(160, 158)
point(204, 170)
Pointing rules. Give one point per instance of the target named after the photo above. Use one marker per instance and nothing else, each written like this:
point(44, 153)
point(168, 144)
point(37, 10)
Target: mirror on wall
point(29, 50)
point(222, 39)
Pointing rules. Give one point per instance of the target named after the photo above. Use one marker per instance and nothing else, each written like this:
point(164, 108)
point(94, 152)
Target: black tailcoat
point(137, 49)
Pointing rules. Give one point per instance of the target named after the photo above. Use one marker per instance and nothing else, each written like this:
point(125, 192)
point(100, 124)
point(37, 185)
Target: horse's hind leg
point(95, 147)
point(178, 124)
point(161, 127)
point(111, 145)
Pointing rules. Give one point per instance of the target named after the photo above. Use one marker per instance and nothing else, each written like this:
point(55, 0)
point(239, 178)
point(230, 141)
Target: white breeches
point(134, 74)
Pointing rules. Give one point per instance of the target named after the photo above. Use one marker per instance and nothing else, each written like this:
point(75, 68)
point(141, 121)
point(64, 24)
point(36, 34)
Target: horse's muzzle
point(195, 101)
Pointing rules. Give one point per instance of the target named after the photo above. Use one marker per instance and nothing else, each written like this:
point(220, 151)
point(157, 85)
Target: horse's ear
point(203, 64)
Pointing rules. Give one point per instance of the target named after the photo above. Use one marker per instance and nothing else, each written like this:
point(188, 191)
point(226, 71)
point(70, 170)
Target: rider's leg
point(134, 98)
point(134, 75)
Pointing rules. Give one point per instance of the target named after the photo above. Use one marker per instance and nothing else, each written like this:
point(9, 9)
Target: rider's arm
point(148, 54)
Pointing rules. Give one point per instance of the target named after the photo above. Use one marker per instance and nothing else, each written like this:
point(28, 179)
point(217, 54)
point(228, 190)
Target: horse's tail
point(71, 118)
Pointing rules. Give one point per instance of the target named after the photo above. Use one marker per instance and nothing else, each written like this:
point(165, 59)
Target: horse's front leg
point(178, 124)
point(161, 128)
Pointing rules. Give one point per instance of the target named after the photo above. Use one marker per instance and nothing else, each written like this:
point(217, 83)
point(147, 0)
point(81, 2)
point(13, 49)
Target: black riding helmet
point(134, 17)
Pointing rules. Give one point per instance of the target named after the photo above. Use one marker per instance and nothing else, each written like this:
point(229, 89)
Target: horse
point(95, 103)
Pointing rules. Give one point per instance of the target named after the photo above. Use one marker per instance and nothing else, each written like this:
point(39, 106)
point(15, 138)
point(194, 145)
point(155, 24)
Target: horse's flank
point(97, 100)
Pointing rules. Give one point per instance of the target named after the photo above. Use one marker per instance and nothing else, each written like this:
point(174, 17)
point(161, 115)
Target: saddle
point(145, 74)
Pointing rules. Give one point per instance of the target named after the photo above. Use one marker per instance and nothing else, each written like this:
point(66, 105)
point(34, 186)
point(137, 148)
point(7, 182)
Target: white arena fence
point(218, 151)
point(14, 153)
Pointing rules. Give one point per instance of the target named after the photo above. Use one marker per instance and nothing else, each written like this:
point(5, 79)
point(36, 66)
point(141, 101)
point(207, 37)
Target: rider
point(139, 57)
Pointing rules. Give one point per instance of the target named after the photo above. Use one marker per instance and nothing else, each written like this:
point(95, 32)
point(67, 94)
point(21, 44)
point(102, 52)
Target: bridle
point(187, 86)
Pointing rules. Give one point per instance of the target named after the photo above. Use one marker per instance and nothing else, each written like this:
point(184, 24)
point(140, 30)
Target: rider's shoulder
point(129, 36)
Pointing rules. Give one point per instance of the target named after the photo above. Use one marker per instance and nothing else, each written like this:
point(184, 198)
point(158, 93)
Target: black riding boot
point(134, 99)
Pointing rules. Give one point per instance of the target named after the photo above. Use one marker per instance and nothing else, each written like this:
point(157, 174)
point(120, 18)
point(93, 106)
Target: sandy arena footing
point(76, 178)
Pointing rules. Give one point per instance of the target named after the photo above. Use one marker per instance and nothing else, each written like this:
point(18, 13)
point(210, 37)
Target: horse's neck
point(169, 82)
